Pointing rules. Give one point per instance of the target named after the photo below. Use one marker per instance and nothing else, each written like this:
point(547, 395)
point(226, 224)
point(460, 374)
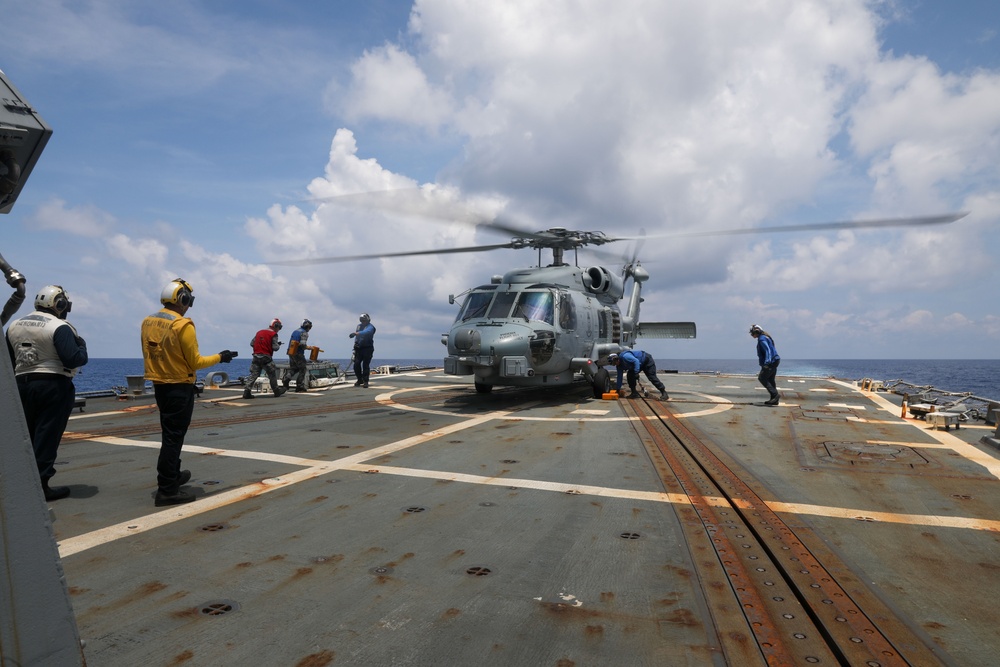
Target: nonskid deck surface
point(420, 523)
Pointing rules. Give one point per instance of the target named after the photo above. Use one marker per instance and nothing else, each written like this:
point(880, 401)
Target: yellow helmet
point(177, 293)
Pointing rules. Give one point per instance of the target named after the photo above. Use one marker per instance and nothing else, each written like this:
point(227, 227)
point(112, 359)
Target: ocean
point(979, 377)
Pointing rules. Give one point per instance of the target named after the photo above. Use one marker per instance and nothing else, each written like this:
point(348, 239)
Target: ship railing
point(979, 408)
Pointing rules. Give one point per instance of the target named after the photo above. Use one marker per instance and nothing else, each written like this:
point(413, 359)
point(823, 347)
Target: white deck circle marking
point(386, 399)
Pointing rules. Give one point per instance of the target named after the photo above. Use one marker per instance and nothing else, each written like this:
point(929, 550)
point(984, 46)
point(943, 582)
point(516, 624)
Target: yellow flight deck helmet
point(177, 293)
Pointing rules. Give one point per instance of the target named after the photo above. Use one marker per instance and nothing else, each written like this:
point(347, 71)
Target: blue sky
point(192, 138)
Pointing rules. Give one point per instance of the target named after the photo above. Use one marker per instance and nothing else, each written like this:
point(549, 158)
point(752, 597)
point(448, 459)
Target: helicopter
point(545, 325)
point(548, 326)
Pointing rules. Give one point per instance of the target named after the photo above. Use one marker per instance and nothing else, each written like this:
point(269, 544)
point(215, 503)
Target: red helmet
point(276, 324)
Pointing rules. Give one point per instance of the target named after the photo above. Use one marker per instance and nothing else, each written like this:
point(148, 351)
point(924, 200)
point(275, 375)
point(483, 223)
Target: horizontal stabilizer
point(666, 330)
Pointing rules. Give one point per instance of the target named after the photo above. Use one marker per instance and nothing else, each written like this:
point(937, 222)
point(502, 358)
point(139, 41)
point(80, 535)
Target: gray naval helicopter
point(548, 325)
point(551, 325)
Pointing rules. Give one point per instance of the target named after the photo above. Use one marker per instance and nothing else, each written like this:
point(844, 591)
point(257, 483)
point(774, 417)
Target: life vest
point(161, 348)
point(34, 352)
point(265, 342)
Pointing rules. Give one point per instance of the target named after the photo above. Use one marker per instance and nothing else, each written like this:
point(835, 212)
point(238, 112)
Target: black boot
point(178, 498)
point(54, 492)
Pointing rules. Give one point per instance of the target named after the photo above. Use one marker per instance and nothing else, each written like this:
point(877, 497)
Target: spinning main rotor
point(559, 239)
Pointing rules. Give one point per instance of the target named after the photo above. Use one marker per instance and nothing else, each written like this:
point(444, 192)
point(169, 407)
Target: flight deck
point(421, 523)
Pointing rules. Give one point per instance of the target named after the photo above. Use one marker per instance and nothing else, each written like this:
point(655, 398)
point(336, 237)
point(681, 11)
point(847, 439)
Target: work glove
point(227, 355)
point(350, 335)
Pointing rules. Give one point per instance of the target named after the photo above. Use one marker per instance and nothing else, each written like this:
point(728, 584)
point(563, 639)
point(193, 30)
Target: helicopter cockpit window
point(475, 306)
point(567, 312)
point(501, 305)
point(535, 306)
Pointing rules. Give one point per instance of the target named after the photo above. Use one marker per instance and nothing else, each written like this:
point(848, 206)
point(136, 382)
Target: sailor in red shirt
point(265, 344)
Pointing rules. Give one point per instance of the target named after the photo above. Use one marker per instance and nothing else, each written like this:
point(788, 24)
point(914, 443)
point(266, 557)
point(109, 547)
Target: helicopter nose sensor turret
point(467, 341)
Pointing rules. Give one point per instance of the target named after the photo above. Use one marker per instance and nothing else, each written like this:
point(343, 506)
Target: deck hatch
point(862, 453)
point(829, 415)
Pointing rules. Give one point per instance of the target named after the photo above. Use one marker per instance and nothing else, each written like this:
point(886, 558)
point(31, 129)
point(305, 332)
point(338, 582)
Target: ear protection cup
point(53, 298)
point(177, 292)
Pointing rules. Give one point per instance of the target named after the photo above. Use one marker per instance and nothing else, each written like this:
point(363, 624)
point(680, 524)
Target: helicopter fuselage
point(538, 327)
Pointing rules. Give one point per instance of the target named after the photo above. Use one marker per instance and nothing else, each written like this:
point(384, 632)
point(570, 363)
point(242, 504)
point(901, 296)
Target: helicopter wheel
point(602, 382)
point(483, 388)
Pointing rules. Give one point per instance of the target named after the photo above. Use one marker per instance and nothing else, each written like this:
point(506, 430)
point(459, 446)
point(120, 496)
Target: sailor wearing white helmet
point(47, 352)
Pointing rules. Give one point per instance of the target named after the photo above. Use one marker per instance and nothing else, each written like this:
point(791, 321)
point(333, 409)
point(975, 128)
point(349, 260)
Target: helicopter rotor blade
point(415, 202)
point(410, 253)
point(818, 226)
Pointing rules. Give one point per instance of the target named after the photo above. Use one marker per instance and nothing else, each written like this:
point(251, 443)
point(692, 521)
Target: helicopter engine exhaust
point(602, 281)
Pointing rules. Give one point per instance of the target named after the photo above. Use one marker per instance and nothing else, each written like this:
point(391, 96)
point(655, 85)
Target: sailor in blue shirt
point(364, 348)
point(633, 361)
point(768, 357)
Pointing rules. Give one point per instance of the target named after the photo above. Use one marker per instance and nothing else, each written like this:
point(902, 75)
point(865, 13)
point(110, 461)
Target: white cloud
point(139, 253)
point(389, 85)
point(84, 220)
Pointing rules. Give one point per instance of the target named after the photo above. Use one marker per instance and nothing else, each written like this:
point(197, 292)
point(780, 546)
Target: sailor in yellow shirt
point(171, 358)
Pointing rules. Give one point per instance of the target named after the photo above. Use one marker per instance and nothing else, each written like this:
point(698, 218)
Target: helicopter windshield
point(535, 306)
point(501, 305)
point(475, 306)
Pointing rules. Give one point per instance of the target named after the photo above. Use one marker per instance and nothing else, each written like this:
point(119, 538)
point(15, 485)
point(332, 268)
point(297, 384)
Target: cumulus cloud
point(389, 85)
point(581, 115)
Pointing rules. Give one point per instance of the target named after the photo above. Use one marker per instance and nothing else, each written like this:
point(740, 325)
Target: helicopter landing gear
point(483, 388)
point(602, 382)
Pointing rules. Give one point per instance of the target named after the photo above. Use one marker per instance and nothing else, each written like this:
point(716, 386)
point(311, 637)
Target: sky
point(209, 139)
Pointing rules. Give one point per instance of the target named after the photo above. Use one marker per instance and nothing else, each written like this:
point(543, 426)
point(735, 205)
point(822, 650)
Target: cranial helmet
point(364, 319)
point(276, 324)
point(53, 298)
point(177, 293)
point(306, 324)
point(755, 330)
point(612, 358)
